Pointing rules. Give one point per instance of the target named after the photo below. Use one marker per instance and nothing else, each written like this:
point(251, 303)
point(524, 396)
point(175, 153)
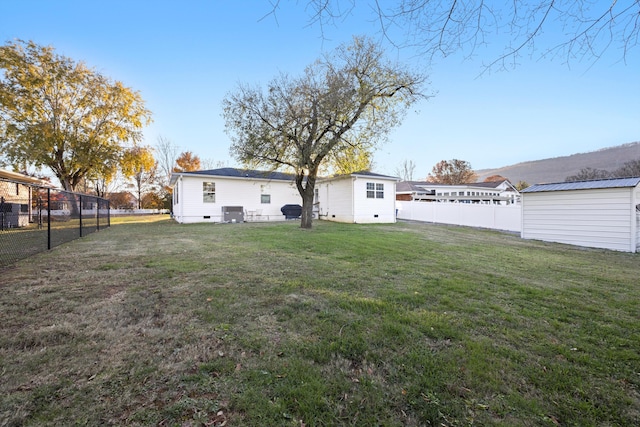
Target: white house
point(237, 195)
point(361, 197)
point(495, 192)
point(231, 195)
point(599, 214)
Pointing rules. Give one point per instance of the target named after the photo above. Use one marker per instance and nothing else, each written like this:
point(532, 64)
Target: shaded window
point(209, 192)
point(265, 198)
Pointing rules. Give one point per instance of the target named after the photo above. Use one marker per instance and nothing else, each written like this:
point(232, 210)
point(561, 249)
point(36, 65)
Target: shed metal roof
point(584, 185)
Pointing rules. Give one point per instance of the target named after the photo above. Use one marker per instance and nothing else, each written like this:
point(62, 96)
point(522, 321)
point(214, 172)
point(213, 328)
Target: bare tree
point(166, 153)
point(350, 99)
point(440, 27)
point(588, 173)
point(629, 169)
point(208, 163)
point(406, 170)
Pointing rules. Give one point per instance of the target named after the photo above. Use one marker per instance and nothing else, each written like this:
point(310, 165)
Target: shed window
point(209, 192)
point(265, 198)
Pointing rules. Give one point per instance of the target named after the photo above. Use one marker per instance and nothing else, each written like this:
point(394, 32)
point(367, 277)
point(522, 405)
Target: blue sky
point(185, 56)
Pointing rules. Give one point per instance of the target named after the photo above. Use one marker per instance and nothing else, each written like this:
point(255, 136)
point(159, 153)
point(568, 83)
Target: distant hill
point(558, 168)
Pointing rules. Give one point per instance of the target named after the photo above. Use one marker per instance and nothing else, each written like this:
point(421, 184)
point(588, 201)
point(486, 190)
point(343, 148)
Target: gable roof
point(268, 175)
point(236, 173)
point(20, 177)
point(489, 184)
point(410, 186)
point(584, 185)
point(364, 174)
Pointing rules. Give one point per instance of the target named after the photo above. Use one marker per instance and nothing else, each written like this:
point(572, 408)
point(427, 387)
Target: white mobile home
point(231, 195)
point(485, 193)
point(600, 214)
point(361, 197)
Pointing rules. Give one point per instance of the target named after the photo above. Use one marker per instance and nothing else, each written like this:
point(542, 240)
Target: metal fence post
point(48, 218)
point(1, 213)
point(80, 214)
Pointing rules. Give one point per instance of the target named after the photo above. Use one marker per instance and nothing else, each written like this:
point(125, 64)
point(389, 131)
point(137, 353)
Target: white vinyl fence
point(499, 217)
point(638, 231)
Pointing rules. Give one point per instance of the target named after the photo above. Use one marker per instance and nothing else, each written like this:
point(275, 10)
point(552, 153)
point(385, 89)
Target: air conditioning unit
point(233, 213)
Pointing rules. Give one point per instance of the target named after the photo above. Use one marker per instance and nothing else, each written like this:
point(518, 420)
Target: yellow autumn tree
point(58, 113)
point(139, 165)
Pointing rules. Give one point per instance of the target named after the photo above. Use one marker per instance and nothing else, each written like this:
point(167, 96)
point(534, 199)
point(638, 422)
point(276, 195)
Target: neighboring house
point(599, 213)
point(16, 192)
point(361, 197)
point(123, 200)
point(498, 192)
point(231, 195)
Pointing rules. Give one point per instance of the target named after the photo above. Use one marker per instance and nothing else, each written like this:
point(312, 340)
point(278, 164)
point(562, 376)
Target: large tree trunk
point(307, 208)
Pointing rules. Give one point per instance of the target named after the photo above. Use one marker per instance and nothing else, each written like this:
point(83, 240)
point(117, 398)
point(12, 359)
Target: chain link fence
point(35, 219)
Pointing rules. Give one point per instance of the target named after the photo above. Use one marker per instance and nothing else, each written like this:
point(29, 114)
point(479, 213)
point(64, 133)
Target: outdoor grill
point(291, 211)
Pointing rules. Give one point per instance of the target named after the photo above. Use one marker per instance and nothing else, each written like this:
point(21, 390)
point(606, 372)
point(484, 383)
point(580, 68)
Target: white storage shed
point(599, 214)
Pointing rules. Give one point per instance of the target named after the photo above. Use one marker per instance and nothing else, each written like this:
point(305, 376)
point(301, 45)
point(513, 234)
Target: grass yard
point(156, 323)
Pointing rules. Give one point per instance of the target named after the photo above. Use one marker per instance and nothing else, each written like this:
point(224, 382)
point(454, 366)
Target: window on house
point(316, 195)
point(371, 190)
point(265, 198)
point(375, 191)
point(209, 192)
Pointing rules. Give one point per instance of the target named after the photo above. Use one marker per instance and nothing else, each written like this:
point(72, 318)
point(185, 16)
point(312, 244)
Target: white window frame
point(208, 192)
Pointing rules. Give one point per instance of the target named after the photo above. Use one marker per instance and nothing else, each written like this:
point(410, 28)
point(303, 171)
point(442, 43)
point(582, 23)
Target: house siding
point(345, 200)
point(16, 201)
point(336, 200)
point(232, 192)
point(374, 210)
point(598, 218)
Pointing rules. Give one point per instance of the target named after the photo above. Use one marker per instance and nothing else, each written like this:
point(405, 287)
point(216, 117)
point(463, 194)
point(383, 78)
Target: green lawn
point(155, 323)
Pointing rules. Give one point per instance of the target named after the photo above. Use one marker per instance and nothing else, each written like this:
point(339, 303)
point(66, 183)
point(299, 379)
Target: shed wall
point(599, 218)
